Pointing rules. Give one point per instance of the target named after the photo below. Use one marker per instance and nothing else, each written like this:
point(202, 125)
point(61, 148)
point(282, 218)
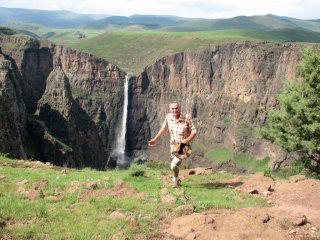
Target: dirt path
point(293, 212)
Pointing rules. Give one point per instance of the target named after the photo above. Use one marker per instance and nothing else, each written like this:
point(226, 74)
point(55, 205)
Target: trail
point(292, 212)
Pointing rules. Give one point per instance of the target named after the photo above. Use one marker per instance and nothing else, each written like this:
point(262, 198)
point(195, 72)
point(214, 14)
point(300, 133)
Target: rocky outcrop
point(227, 89)
point(12, 111)
point(72, 101)
point(63, 106)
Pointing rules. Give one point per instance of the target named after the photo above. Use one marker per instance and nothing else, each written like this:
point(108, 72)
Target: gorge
point(63, 106)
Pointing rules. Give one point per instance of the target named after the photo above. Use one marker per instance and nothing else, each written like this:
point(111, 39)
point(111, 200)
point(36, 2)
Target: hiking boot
point(177, 183)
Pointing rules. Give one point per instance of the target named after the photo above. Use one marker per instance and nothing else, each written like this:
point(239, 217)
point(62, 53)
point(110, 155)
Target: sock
point(175, 179)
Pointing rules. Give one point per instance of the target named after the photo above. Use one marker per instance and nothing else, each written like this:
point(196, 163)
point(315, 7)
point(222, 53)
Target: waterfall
point(121, 141)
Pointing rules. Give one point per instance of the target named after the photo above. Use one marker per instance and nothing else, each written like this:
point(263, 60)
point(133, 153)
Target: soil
point(292, 212)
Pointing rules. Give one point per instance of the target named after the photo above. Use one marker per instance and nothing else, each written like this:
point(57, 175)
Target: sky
point(301, 9)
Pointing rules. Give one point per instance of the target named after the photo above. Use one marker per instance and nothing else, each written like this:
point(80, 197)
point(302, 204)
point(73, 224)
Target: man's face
point(175, 109)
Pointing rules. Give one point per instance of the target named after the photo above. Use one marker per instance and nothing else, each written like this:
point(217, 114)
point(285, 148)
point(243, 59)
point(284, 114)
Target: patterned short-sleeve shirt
point(179, 129)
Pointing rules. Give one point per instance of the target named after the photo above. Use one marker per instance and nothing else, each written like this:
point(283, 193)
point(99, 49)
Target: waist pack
point(181, 150)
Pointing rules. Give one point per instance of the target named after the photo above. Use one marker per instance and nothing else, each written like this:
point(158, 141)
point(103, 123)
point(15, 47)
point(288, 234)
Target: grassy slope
point(70, 216)
point(136, 46)
point(133, 50)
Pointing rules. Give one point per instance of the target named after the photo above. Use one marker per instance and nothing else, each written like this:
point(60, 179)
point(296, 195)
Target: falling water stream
point(121, 141)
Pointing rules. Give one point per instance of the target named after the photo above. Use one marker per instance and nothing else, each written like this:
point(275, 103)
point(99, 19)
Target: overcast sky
point(303, 9)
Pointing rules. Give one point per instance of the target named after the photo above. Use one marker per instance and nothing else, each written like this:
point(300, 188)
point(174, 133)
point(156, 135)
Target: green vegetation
point(133, 50)
point(296, 125)
point(118, 201)
point(242, 160)
point(133, 47)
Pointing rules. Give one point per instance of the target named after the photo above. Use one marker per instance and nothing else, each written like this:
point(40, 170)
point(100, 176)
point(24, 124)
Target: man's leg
point(175, 168)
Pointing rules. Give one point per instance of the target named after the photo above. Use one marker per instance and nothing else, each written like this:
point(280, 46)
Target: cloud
point(305, 9)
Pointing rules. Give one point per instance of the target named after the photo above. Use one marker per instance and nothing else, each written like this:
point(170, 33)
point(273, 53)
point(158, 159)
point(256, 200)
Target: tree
point(296, 125)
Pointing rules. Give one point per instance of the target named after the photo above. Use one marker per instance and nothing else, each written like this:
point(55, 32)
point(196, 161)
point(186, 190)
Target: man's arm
point(152, 142)
point(192, 130)
point(190, 138)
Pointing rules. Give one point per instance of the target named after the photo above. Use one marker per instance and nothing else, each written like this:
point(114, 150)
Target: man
point(182, 131)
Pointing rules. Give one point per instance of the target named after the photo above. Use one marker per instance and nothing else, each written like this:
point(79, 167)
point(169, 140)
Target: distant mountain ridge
point(64, 19)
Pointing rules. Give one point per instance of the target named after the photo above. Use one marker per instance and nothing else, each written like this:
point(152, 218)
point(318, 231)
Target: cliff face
point(227, 89)
point(12, 115)
point(71, 102)
point(64, 106)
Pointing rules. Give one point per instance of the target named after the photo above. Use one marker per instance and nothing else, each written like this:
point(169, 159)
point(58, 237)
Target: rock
point(34, 194)
point(265, 218)
point(92, 185)
point(314, 229)
point(209, 220)
point(3, 222)
point(40, 184)
point(119, 183)
point(297, 178)
point(266, 193)
point(22, 182)
point(21, 189)
point(191, 236)
point(270, 189)
point(185, 209)
point(117, 214)
point(300, 220)
point(253, 191)
point(2, 177)
point(168, 198)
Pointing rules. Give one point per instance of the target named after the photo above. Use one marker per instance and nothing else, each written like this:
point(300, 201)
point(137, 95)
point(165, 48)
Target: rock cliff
point(64, 106)
point(227, 89)
point(67, 103)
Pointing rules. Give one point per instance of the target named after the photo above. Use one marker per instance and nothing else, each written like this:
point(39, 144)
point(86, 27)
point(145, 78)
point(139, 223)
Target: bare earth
point(293, 212)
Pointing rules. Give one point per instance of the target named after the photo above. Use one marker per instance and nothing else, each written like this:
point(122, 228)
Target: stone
point(253, 191)
point(119, 183)
point(185, 209)
point(168, 198)
point(34, 194)
point(22, 182)
point(92, 184)
point(117, 214)
point(40, 184)
point(297, 178)
point(299, 220)
point(3, 222)
point(266, 193)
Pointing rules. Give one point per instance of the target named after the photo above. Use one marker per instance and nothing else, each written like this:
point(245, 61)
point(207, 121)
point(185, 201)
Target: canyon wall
point(226, 89)
point(67, 103)
point(63, 106)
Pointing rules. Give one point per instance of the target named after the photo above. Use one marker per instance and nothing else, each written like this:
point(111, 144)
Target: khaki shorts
point(175, 162)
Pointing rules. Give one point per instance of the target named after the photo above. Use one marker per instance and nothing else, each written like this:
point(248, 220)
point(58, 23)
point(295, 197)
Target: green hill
point(133, 50)
point(136, 41)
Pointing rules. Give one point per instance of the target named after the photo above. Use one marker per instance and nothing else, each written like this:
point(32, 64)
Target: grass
point(242, 160)
point(71, 216)
point(133, 50)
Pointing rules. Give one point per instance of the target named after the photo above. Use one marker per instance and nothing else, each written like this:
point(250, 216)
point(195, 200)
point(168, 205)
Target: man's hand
point(184, 141)
point(152, 143)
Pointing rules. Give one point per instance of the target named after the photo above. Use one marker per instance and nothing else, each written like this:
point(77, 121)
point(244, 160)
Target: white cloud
point(305, 9)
